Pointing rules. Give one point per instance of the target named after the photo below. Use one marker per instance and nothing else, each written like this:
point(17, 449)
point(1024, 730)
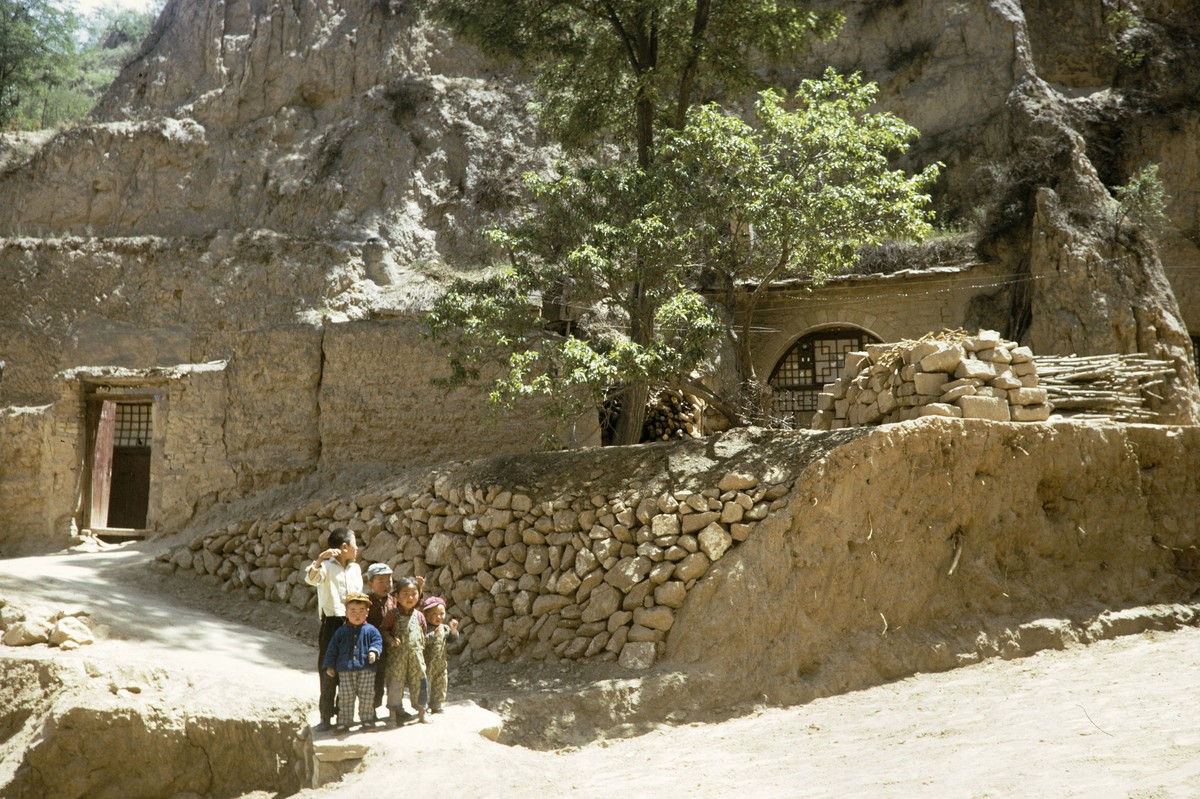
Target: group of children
point(376, 641)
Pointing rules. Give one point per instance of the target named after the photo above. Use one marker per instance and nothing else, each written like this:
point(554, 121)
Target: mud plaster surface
point(1107, 720)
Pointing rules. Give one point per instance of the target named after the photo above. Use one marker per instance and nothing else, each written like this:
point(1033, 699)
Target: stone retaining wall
point(969, 377)
point(568, 575)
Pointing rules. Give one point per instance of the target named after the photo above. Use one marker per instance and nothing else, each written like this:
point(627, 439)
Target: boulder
point(656, 618)
point(734, 481)
point(549, 603)
point(945, 358)
point(28, 632)
point(714, 541)
point(441, 545)
point(692, 566)
point(628, 572)
point(72, 629)
point(637, 655)
point(990, 408)
point(670, 594)
point(604, 601)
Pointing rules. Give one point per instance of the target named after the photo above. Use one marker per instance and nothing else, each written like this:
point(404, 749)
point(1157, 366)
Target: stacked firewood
point(670, 415)
point(1114, 387)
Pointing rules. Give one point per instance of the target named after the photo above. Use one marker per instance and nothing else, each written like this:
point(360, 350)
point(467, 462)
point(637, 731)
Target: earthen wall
point(905, 305)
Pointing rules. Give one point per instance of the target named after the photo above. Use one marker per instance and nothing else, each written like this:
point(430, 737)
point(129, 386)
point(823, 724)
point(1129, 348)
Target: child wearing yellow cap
point(352, 657)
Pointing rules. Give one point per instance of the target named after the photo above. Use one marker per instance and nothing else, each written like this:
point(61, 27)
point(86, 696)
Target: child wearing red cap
point(436, 665)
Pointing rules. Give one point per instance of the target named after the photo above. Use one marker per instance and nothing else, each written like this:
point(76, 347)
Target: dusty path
point(1115, 719)
point(149, 622)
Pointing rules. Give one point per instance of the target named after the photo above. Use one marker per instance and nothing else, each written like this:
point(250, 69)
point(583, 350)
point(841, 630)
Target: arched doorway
point(814, 360)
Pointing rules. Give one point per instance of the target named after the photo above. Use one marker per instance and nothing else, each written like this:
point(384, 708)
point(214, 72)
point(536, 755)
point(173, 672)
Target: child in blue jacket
point(351, 656)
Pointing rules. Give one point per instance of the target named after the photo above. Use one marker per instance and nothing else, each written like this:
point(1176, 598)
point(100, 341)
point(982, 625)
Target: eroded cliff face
point(336, 122)
point(1038, 109)
point(326, 119)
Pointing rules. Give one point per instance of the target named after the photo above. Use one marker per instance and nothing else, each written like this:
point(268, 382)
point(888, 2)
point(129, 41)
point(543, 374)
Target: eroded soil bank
point(919, 548)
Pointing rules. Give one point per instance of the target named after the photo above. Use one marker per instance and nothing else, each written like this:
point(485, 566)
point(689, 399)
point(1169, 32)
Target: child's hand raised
point(453, 626)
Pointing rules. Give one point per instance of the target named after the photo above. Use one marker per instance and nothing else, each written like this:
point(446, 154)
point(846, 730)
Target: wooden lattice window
point(1196, 354)
point(132, 426)
point(813, 361)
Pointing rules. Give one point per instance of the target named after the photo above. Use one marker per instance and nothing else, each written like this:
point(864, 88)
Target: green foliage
point(81, 58)
point(621, 245)
point(625, 248)
point(1127, 43)
point(801, 192)
point(592, 241)
point(37, 48)
point(1143, 199)
point(798, 195)
point(620, 71)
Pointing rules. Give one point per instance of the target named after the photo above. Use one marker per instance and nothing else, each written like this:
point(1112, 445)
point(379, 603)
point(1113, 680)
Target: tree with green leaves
point(798, 194)
point(591, 246)
point(723, 202)
point(37, 48)
point(666, 191)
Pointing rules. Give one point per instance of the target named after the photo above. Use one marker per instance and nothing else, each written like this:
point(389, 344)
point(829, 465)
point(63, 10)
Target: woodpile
point(671, 415)
point(1104, 387)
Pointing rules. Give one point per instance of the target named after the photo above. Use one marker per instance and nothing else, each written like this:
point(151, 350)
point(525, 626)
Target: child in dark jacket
point(352, 655)
point(379, 589)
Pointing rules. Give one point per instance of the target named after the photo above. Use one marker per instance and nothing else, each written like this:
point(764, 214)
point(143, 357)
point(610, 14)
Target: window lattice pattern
point(133, 426)
point(1196, 353)
point(812, 362)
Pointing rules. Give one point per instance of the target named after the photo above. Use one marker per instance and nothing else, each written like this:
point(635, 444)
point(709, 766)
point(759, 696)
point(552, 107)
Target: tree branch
point(731, 413)
point(688, 78)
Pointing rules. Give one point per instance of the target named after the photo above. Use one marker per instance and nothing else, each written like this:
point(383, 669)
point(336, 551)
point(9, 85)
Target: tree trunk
point(687, 81)
point(633, 414)
point(634, 397)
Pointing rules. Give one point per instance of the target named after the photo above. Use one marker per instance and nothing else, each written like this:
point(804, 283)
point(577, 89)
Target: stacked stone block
point(568, 574)
point(954, 375)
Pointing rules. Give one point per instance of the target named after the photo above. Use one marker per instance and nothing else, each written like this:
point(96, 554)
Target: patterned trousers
point(358, 685)
point(405, 670)
point(437, 684)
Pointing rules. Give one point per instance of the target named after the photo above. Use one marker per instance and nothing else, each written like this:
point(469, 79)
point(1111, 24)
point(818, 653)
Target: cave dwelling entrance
point(814, 360)
point(120, 434)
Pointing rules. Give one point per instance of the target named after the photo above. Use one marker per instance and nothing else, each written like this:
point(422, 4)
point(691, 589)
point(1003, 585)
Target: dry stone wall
point(566, 574)
point(967, 377)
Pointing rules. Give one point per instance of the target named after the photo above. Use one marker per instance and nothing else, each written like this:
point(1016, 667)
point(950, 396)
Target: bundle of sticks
point(670, 415)
point(1114, 387)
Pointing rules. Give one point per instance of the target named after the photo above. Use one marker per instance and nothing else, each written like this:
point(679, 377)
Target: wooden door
point(102, 453)
point(130, 488)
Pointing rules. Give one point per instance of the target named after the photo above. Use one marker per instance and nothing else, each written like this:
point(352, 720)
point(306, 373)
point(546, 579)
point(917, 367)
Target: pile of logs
point(1113, 387)
point(671, 415)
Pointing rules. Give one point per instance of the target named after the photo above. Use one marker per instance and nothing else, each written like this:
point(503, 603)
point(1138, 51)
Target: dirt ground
point(1113, 719)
